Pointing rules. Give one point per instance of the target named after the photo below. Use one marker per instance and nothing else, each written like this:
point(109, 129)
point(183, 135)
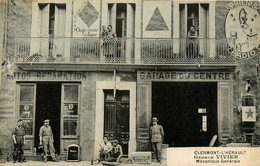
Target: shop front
point(60, 97)
point(56, 101)
point(192, 106)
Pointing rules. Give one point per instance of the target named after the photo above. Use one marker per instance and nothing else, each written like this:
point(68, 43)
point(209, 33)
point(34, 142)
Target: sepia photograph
point(130, 82)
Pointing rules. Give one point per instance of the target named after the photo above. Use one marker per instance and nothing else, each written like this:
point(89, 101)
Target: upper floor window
point(194, 15)
point(122, 18)
point(52, 19)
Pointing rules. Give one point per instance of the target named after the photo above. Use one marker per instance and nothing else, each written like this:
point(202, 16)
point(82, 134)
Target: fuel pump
point(248, 116)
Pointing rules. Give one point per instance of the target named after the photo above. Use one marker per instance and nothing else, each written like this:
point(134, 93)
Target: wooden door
point(116, 118)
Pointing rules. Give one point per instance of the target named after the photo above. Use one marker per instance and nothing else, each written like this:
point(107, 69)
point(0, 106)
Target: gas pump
point(248, 116)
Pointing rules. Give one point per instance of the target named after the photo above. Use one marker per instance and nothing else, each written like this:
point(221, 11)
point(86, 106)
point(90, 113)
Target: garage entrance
point(187, 111)
point(48, 106)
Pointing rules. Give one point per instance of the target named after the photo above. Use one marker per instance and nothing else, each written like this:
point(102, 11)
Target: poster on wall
point(86, 18)
point(242, 25)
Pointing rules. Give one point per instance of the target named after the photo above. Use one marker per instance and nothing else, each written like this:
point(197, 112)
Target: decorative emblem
point(26, 107)
point(157, 22)
point(88, 14)
point(71, 106)
point(248, 114)
point(242, 25)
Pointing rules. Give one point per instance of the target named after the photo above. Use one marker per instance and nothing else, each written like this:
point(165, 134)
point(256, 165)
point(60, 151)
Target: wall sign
point(88, 14)
point(85, 18)
point(157, 22)
point(164, 75)
point(242, 24)
point(48, 76)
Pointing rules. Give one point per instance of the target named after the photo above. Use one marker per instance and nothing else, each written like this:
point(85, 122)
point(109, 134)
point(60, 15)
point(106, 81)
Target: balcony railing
point(124, 50)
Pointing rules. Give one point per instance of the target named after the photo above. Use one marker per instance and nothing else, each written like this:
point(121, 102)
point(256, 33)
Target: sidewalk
point(64, 163)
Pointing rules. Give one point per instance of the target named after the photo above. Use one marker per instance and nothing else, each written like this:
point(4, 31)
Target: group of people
point(107, 43)
point(45, 136)
point(111, 152)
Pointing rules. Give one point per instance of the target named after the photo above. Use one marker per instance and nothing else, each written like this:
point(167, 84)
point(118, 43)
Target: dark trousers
point(157, 149)
point(18, 148)
point(113, 157)
point(104, 156)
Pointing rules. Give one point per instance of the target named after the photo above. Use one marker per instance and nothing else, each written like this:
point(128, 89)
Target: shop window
point(70, 110)
point(71, 93)
point(26, 108)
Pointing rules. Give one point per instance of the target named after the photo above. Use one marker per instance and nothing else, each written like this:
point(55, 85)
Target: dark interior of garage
point(187, 111)
point(48, 106)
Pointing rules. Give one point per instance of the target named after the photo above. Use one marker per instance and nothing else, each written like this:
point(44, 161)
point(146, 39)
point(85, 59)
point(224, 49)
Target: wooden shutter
point(143, 116)
point(113, 18)
point(130, 20)
point(59, 31)
point(44, 25)
point(44, 31)
point(225, 111)
point(203, 21)
point(130, 27)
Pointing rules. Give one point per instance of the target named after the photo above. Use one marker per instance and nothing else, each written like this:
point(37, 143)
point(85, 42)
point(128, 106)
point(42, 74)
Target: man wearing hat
point(46, 138)
point(157, 137)
point(19, 140)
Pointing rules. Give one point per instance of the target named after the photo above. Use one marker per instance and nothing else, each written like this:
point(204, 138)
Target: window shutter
point(45, 15)
point(59, 31)
point(44, 32)
point(60, 20)
point(113, 18)
point(130, 21)
point(202, 21)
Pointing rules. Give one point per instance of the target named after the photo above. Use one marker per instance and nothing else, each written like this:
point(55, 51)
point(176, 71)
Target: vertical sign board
point(73, 153)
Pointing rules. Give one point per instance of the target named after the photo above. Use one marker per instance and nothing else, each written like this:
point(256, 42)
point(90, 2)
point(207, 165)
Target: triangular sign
point(157, 22)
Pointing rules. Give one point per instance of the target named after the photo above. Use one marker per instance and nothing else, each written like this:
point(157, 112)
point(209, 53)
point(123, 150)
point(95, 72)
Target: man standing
point(19, 139)
point(46, 138)
point(157, 137)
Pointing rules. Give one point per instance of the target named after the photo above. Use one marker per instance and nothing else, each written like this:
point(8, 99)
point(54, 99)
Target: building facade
point(58, 65)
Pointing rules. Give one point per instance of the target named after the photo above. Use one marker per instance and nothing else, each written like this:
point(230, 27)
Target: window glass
point(70, 110)
point(26, 111)
point(26, 93)
point(28, 126)
point(71, 93)
point(70, 127)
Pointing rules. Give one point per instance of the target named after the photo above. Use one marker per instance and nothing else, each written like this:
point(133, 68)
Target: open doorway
point(48, 106)
point(187, 111)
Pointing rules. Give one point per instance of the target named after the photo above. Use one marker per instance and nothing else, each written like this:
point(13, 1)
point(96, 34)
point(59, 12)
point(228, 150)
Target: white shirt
point(105, 147)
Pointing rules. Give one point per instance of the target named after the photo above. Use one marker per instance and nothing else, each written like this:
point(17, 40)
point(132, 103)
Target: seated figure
point(105, 149)
point(116, 152)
